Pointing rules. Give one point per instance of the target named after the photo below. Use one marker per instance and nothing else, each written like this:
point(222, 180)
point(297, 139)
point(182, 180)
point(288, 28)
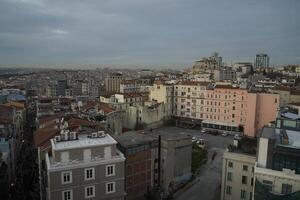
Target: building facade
point(224, 107)
point(141, 163)
point(112, 82)
point(238, 172)
point(84, 167)
point(277, 170)
point(262, 61)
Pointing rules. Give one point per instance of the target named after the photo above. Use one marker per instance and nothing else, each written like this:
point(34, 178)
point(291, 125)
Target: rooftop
point(245, 146)
point(84, 140)
point(133, 138)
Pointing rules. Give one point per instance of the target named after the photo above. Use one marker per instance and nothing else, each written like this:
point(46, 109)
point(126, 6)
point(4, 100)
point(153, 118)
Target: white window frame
point(86, 191)
point(85, 174)
point(114, 170)
point(114, 187)
point(63, 194)
point(62, 177)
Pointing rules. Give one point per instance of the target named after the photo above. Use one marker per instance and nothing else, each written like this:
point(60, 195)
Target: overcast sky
point(147, 32)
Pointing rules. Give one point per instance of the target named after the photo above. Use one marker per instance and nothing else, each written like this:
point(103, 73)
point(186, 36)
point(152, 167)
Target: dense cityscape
point(215, 130)
point(149, 100)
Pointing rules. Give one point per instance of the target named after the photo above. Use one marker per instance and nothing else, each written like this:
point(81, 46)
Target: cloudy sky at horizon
point(147, 32)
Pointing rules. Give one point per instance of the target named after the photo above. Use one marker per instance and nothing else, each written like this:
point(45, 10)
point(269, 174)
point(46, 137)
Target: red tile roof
point(105, 108)
point(43, 135)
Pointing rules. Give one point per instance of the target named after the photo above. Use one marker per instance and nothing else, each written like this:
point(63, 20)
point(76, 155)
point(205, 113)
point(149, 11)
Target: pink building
point(225, 108)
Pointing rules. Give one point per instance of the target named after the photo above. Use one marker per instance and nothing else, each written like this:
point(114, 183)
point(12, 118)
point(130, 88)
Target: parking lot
point(212, 140)
point(207, 184)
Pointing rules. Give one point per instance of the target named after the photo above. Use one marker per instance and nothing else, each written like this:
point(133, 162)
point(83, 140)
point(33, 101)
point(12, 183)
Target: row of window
point(243, 194)
point(89, 191)
point(245, 167)
point(285, 188)
point(212, 103)
point(244, 178)
point(89, 174)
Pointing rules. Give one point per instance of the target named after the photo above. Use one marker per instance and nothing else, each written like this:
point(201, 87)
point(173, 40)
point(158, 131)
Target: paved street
point(208, 181)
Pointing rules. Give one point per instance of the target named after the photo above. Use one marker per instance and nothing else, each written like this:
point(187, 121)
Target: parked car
point(224, 134)
point(194, 139)
point(237, 137)
point(203, 131)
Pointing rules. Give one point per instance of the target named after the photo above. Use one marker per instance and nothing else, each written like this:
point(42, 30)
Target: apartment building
point(277, 170)
point(85, 166)
point(112, 82)
point(51, 90)
point(238, 170)
point(287, 95)
point(225, 107)
point(262, 61)
point(130, 86)
point(163, 93)
point(140, 151)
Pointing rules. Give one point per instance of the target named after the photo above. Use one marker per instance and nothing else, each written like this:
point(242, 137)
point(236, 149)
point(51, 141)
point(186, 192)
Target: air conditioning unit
point(101, 134)
point(65, 136)
point(94, 135)
point(57, 138)
point(73, 135)
point(66, 125)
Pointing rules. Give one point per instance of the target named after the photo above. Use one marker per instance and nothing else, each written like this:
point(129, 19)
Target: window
point(245, 167)
point(244, 180)
point(89, 191)
point(110, 187)
point(251, 181)
point(89, 174)
point(230, 164)
point(286, 189)
point(66, 177)
point(228, 190)
point(268, 184)
point(243, 194)
point(110, 170)
point(67, 195)
point(229, 176)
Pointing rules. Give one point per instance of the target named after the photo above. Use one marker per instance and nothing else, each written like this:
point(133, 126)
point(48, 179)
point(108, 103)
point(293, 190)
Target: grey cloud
point(155, 32)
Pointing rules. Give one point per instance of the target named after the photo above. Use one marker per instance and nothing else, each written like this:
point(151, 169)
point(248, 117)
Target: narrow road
point(208, 181)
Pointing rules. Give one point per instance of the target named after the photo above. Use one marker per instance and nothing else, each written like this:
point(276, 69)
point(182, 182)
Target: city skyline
point(146, 34)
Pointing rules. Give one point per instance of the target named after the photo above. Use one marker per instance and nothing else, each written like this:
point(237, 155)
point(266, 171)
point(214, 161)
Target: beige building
point(238, 172)
point(149, 115)
point(163, 93)
point(287, 95)
point(112, 82)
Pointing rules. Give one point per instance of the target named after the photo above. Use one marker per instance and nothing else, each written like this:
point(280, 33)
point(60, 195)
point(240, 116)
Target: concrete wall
point(77, 154)
point(250, 125)
point(266, 109)
point(176, 161)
